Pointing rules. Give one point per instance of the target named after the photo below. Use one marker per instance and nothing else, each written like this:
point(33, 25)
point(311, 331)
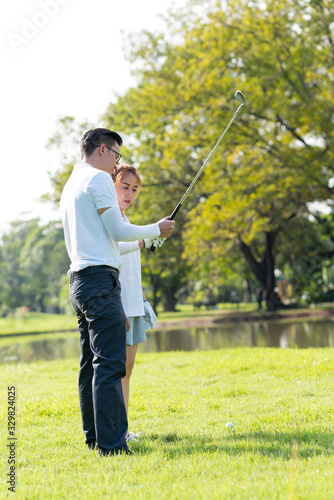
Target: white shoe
point(133, 437)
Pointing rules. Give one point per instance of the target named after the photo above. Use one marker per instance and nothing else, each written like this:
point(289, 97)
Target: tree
point(276, 159)
point(306, 259)
point(44, 261)
point(12, 276)
point(66, 140)
point(33, 262)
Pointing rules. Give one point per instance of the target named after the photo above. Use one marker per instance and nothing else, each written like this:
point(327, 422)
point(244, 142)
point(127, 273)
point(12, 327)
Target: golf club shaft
point(177, 208)
point(241, 98)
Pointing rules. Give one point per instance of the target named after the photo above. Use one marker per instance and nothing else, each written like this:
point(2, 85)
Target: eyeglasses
point(118, 155)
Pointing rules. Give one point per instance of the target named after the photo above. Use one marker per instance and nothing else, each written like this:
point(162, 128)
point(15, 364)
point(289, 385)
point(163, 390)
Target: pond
point(281, 334)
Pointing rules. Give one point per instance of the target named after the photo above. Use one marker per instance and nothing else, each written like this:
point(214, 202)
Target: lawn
point(37, 322)
point(281, 446)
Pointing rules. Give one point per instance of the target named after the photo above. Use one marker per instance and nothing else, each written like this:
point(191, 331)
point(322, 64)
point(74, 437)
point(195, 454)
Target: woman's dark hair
point(120, 171)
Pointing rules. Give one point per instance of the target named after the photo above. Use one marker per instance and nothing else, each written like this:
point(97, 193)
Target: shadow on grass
point(271, 444)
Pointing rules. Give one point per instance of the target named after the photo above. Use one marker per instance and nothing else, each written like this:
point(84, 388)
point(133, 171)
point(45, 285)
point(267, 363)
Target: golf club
point(241, 99)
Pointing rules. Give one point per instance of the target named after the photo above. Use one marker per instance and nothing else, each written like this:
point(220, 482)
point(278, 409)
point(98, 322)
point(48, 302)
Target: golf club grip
point(172, 217)
point(175, 211)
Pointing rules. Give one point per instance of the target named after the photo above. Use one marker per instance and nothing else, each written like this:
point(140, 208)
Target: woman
point(136, 307)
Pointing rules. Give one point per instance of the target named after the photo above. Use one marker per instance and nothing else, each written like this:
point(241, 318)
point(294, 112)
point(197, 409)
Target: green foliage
point(306, 258)
point(12, 277)
point(276, 159)
point(66, 140)
point(34, 259)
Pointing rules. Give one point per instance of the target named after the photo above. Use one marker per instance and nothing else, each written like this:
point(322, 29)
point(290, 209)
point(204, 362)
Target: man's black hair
point(93, 138)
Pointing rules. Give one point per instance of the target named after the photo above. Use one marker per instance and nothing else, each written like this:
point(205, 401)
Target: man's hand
point(127, 324)
point(166, 227)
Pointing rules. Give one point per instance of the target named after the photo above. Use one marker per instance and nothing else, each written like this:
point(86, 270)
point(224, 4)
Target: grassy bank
point(30, 323)
point(37, 322)
point(41, 322)
point(281, 445)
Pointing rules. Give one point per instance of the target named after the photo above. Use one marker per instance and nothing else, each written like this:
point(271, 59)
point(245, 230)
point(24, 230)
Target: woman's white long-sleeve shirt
point(130, 278)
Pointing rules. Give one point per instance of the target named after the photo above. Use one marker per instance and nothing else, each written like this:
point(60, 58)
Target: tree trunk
point(167, 291)
point(40, 305)
point(155, 284)
point(168, 299)
point(247, 290)
point(264, 272)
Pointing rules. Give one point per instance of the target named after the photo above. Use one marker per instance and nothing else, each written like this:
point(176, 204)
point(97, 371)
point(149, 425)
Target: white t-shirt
point(130, 279)
point(91, 239)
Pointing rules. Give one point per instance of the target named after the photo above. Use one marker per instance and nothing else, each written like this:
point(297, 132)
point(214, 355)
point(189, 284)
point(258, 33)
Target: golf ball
point(229, 425)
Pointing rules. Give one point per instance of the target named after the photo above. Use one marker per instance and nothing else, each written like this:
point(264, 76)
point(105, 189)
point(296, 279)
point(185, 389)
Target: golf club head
point(239, 95)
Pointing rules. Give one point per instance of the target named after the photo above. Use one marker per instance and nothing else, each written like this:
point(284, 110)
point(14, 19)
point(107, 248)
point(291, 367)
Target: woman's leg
point(131, 351)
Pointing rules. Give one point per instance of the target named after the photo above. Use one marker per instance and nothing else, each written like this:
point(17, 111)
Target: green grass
point(281, 446)
point(37, 322)
point(189, 311)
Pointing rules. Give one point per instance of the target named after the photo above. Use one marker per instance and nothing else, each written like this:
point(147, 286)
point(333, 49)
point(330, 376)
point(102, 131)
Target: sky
point(58, 58)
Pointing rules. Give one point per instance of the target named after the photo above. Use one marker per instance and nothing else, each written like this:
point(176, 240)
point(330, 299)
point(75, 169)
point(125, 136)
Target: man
point(93, 225)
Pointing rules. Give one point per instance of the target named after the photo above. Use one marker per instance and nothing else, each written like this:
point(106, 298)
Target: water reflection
point(257, 334)
point(300, 334)
point(43, 349)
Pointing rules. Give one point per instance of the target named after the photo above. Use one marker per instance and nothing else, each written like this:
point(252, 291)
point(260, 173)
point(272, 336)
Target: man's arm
point(118, 230)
